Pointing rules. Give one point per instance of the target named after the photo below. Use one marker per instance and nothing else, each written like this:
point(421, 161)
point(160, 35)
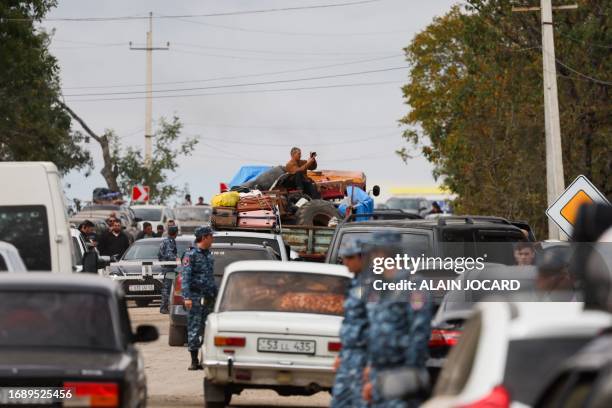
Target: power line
point(358, 84)
point(282, 81)
point(294, 33)
point(342, 142)
point(242, 57)
point(288, 71)
point(219, 14)
point(318, 129)
point(283, 52)
point(579, 41)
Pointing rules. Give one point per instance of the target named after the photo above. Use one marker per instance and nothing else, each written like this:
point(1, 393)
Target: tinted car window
point(27, 229)
point(76, 252)
point(496, 244)
point(528, 369)
point(56, 319)
point(148, 214)
point(3, 267)
point(413, 244)
point(284, 292)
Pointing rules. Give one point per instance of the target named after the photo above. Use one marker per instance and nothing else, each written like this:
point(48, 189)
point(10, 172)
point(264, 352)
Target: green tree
point(475, 93)
point(167, 150)
point(33, 125)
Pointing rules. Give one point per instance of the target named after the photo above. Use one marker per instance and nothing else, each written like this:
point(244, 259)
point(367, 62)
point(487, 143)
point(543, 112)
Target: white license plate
point(286, 346)
point(141, 288)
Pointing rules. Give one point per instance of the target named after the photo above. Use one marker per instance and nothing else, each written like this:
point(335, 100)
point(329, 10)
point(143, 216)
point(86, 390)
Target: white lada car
point(275, 326)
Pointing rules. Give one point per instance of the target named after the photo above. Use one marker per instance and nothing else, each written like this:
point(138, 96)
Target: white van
point(33, 215)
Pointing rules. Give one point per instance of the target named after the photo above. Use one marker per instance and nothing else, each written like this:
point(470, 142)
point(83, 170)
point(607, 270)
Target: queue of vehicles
point(256, 337)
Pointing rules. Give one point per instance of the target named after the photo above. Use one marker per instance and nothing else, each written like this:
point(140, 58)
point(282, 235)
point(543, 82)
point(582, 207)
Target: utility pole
point(555, 184)
point(149, 98)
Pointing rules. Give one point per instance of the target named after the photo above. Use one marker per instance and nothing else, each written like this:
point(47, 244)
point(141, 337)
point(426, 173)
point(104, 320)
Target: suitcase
point(224, 217)
point(257, 219)
point(264, 202)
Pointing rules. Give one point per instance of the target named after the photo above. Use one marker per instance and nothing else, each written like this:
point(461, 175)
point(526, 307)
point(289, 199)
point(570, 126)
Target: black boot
point(195, 364)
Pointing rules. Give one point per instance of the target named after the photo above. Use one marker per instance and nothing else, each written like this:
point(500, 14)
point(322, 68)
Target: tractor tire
point(177, 336)
point(316, 212)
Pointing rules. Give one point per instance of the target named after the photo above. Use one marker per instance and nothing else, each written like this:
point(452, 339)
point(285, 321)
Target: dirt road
point(170, 384)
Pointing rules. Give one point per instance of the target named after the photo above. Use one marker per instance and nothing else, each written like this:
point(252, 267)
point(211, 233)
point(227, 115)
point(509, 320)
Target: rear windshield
point(226, 256)
point(142, 250)
point(27, 229)
point(271, 242)
point(495, 243)
point(148, 214)
point(56, 319)
point(413, 244)
point(528, 369)
point(193, 214)
point(284, 292)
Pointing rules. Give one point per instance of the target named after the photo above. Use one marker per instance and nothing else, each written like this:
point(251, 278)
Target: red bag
point(257, 219)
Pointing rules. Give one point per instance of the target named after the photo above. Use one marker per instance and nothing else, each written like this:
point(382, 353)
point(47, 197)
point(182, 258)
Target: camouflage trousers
point(165, 294)
point(346, 392)
point(379, 402)
point(196, 320)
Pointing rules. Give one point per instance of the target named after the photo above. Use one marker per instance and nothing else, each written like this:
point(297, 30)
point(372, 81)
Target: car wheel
point(142, 302)
point(316, 212)
point(215, 396)
point(177, 336)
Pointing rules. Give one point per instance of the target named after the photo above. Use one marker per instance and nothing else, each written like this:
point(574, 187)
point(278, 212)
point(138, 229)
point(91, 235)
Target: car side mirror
point(404, 383)
point(376, 191)
point(146, 334)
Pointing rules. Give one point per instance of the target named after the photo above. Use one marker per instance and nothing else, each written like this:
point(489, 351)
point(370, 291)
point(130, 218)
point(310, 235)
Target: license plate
point(266, 345)
point(141, 288)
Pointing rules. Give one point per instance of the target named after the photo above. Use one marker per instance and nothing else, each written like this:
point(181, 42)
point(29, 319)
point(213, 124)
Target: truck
point(304, 223)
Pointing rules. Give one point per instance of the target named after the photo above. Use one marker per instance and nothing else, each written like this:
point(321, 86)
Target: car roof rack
point(469, 219)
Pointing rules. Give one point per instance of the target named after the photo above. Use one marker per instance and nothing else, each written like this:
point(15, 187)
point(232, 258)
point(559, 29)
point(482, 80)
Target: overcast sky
point(351, 125)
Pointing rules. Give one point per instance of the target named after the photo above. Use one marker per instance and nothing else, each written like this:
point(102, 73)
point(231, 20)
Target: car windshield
point(237, 239)
point(142, 251)
point(56, 319)
point(148, 214)
point(193, 214)
point(292, 292)
point(404, 203)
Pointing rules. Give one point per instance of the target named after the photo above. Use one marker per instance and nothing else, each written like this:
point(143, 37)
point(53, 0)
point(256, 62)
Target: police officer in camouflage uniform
point(399, 328)
point(167, 253)
point(346, 392)
point(199, 290)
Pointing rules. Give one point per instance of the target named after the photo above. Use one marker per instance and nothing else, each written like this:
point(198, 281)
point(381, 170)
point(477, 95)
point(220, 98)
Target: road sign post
point(564, 210)
point(140, 194)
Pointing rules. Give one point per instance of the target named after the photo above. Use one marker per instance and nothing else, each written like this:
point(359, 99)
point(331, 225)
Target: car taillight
point(498, 398)
point(444, 338)
point(177, 297)
point(334, 346)
point(92, 394)
point(221, 341)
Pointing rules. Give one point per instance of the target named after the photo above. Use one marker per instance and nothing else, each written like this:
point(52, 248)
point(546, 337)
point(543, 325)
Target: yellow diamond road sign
point(565, 210)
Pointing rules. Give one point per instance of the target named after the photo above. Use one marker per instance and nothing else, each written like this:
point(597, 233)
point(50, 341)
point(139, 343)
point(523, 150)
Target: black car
point(446, 236)
point(72, 333)
point(224, 254)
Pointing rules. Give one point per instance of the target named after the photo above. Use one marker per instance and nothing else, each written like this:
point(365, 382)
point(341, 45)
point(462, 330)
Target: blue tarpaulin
point(247, 173)
point(362, 203)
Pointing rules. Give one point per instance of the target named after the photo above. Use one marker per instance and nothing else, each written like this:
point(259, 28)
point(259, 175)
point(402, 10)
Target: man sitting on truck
point(297, 169)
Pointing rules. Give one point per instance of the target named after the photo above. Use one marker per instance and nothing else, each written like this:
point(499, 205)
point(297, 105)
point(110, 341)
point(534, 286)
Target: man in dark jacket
point(114, 242)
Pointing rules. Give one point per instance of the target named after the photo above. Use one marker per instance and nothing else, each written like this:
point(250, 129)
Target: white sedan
point(275, 325)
